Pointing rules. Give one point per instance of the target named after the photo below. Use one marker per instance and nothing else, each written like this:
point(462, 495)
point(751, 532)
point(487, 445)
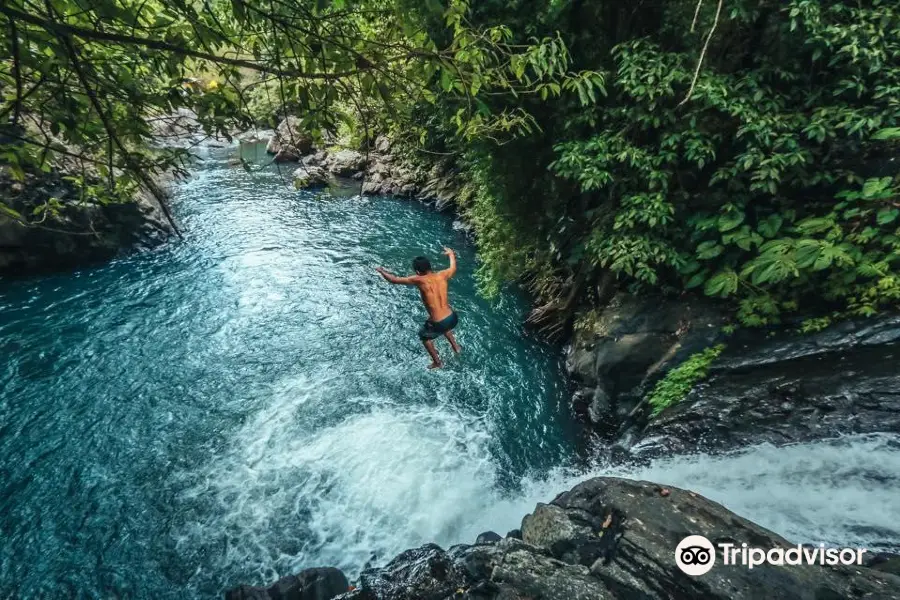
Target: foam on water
point(384, 478)
point(841, 492)
point(390, 477)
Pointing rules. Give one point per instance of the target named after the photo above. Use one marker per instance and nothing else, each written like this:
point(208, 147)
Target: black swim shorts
point(431, 330)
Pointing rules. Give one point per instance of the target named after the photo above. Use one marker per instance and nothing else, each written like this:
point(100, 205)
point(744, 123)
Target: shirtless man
point(433, 288)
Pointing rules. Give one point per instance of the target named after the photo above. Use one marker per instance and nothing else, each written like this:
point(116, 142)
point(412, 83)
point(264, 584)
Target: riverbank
point(58, 229)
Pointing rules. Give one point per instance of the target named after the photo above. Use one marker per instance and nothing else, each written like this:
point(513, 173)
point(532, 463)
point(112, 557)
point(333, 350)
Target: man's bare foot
point(436, 365)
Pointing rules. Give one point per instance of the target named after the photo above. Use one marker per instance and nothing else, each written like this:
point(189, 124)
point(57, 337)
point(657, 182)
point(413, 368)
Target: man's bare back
point(433, 289)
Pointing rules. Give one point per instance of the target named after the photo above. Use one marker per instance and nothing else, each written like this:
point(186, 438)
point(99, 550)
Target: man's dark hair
point(421, 265)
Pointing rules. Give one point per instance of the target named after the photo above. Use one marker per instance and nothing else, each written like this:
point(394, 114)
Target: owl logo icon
point(695, 555)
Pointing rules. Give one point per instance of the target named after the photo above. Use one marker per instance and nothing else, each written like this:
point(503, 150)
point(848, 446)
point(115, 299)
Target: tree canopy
point(88, 79)
point(746, 150)
point(743, 149)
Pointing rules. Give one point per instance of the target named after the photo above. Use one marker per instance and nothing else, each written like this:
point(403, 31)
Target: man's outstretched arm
point(391, 278)
point(451, 271)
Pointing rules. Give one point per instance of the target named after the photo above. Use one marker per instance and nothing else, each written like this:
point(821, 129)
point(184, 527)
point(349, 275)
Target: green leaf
point(890, 133)
point(696, 280)
point(887, 215)
point(730, 220)
point(769, 226)
point(446, 80)
point(708, 250)
point(10, 212)
point(722, 284)
point(875, 186)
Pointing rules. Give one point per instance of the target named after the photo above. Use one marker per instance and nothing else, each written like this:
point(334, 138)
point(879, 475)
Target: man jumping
point(433, 288)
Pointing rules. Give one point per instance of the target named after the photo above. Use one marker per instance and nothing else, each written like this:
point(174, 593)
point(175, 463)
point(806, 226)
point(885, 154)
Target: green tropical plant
point(671, 389)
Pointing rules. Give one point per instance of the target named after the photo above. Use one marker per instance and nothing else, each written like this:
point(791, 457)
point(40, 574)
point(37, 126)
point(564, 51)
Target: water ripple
point(254, 400)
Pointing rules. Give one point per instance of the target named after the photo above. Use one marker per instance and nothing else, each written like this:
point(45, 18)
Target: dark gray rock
point(488, 537)
point(885, 562)
point(310, 584)
point(387, 174)
point(788, 388)
point(311, 176)
point(344, 163)
point(611, 538)
point(628, 347)
point(81, 232)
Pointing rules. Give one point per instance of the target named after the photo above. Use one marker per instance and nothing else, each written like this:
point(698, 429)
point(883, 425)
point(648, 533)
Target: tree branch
point(62, 29)
point(703, 52)
point(110, 131)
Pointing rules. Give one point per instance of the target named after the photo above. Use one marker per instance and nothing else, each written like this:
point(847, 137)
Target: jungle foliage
point(743, 149)
point(94, 81)
point(746, 150)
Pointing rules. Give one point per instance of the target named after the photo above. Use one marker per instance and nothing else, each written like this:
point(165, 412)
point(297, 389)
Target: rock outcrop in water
point(290, 142)
point(608, 539)
point(778, 388)
point(82, 231)
point(381, 170)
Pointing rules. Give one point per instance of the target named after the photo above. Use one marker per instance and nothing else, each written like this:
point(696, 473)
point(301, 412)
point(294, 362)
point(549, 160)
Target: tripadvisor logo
point(696, 555)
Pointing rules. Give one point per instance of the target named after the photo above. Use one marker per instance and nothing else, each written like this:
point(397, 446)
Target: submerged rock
point(309, 584)
point(613, 539)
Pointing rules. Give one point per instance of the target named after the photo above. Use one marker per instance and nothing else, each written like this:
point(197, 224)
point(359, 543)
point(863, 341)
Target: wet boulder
point(615, 539)
point(310, 177)
point(290, 141)
point(488, 537)
point(345, 163)
point(788, 388)
point(309, 584)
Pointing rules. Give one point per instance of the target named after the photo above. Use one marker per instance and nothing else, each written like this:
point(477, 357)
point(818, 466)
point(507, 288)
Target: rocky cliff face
point(778, 388)
point(605, 539)
point(628, 347)
point(788, 388)
point(81, 232)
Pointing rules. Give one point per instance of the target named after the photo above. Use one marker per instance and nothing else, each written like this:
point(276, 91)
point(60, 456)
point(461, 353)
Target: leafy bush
point(773, 186)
